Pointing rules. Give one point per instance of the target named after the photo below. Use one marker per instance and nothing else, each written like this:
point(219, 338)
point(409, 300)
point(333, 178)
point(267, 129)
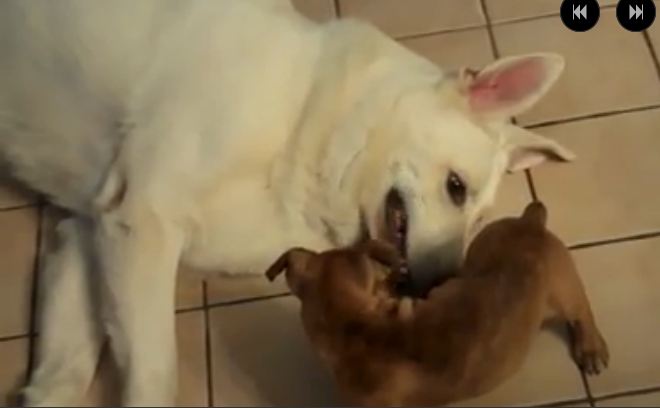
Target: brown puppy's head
point(508, 236)
point(346, 267)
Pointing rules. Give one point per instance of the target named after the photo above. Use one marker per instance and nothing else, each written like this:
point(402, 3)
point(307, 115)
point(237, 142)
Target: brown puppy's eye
point(456, 189)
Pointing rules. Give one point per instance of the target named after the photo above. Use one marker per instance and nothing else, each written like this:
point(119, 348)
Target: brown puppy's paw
point(589, 349)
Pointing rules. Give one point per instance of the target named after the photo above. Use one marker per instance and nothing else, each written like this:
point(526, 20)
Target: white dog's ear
point(526, 149)
point(510, 85)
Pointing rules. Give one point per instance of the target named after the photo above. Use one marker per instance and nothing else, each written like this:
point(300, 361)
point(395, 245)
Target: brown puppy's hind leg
point(568, 300)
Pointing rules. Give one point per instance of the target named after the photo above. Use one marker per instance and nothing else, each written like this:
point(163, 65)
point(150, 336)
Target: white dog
point(219, 134)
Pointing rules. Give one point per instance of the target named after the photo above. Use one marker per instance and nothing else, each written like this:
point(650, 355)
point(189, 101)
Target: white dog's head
point(433, 163)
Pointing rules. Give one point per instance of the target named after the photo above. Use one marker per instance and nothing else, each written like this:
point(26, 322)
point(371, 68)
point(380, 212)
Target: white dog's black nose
point(431, 268)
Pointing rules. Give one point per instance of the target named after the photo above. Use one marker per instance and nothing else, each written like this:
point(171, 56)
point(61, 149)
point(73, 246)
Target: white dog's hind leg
point(139, 254)
point(69, 339)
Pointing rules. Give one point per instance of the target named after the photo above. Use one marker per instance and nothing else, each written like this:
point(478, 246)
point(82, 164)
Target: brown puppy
point(471, 333)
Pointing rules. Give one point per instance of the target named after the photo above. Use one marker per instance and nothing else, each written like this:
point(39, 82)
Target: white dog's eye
point(456, 189)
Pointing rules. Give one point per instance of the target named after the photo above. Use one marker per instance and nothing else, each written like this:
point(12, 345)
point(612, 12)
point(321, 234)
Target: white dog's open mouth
point(396, 223)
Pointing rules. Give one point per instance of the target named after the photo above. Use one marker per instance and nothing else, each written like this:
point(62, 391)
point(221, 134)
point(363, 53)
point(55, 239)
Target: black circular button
point(635, 15)
point(580, 15)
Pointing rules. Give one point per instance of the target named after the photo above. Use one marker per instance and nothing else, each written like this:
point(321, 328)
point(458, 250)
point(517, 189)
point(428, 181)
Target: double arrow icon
point(579, 12)
point(636, 12)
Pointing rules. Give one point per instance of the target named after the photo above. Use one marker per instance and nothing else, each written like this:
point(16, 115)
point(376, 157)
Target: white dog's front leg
point(69, 335)
point(139, 254)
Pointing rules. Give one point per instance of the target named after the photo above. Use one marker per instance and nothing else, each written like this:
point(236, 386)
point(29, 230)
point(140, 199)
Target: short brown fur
point(468, 336)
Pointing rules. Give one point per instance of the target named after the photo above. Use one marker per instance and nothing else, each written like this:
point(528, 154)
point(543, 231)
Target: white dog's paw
point(57, 388)
point(50, 395)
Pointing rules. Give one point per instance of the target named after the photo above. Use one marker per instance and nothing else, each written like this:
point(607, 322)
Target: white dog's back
point(71, 70)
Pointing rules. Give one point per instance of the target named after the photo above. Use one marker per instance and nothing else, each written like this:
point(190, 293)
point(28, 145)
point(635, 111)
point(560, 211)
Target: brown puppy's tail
point(536, 213)
point(295, 262)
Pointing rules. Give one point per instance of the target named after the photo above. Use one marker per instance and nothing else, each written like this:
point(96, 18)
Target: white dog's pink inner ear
point(506, 87)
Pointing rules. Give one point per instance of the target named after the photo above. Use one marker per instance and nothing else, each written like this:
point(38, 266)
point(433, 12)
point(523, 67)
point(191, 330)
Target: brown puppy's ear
point(384, 253)
point(278, 266)
point(295, 261)
point(536, 213)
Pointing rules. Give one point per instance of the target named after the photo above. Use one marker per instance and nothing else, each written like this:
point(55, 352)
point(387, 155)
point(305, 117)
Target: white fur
point(221, 133)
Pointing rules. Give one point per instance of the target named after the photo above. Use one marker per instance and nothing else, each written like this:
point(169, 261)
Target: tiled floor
point(607, 205)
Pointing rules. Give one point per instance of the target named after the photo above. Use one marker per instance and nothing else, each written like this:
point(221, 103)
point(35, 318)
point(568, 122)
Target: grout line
point(34, 294)
point(191, 309)
point(489, 29)
point(628, 393)
point(531, 186)
point(654, 54)
point(19, 207)
point(587, 388)
point(585, 381)
point(610, 241)
point(14, 337)
point(248, 300)
point(478, 26)
point(337, 8)
point(515, 20)
point(441, 31)
point(591, 116)
point(207, 346)
point(562, 403)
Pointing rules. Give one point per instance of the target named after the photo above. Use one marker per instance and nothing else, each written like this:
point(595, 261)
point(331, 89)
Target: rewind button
point(580, 15)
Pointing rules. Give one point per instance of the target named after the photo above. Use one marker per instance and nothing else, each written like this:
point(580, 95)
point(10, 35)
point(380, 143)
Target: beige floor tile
point(622, 282)
point(262, 358)
point(583, 404)
point(643, 400)
point(470, 48)
point(192, 368)
point(319, 10)
point(402, 18)
point(654, 33)
point(229, 289)
point(548, 375)
point(192, 360)
point(105, 390)
point(13, 358)
point(503, 10)
point(512, 198)
point(611, 190)
point(189, 290)
point(608, 68)
point(18, 239)
point(12, 196)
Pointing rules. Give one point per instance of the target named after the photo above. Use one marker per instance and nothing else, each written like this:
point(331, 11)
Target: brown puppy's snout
point(295, 261)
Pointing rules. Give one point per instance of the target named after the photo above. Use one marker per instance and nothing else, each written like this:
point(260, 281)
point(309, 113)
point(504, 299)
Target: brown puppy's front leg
point(386, 254)
point(383, 252)
point(569, 300)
